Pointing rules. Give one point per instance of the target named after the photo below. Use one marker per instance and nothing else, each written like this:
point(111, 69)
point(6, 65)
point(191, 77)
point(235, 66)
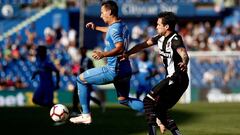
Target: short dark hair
point(111, 5)
point(41, 51)
point(168, 18)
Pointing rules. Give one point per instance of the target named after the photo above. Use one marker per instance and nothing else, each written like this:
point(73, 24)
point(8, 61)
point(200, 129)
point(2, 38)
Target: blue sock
point(84, 96)
point(136, 104)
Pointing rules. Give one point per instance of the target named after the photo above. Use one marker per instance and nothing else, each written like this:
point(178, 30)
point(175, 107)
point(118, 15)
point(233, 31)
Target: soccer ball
point(59, 113)
point(7, 11)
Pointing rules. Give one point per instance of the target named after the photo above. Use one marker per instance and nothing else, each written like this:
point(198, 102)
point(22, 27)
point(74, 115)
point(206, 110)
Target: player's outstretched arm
point(92, 26)
point(138, 47)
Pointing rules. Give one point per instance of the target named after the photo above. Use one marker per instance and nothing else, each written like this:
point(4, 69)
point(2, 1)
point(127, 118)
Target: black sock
point(152, 130)
point(172, 126)
point(176, 132)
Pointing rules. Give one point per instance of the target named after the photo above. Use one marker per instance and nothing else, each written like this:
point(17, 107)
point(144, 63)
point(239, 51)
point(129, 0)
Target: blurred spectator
point(137, 32)
point(64, 39)
point(58, 32)
point(49, 36)
point(44, 93)
point(72, 35)
point(31, 34)
point(146, 72)
point(2, 85)
point(73, 52)
point(233, 19)
point(9, 83)
point(230, 73)
point(221, 4)
point(19, 84)
point(15, 52)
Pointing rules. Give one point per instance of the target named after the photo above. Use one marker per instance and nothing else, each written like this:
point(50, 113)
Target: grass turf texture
point(192, 119)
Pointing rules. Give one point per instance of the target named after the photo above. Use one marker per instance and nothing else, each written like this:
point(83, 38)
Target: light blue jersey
point(117, 32)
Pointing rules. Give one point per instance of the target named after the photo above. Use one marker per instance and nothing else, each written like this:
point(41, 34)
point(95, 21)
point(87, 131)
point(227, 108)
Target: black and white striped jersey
point(168, 51)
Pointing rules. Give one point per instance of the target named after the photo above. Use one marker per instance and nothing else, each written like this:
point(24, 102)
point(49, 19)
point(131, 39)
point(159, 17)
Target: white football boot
point(83, 118)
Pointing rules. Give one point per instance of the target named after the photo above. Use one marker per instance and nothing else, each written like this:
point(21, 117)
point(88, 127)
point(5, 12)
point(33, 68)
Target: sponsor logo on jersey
point(165, 54)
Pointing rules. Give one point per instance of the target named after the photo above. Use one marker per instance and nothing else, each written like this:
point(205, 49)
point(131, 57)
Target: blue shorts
point(119, 76)
point(99, 75)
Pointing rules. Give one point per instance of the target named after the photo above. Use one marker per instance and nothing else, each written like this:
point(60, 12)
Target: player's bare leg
point(84, 99)
point(161, 126)
point(169, 123)
point(162, 106)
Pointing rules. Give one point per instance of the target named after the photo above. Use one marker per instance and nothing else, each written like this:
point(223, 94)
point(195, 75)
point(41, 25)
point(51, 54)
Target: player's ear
point(166, 26)
point(109, 12)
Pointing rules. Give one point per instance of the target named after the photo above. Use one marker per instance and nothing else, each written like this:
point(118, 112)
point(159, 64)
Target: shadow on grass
point(182, 116)
point(116, 120)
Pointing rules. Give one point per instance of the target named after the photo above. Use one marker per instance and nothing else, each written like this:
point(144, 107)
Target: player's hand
point(97, 55)
point(124, 57)
point(183, 66)
point(91, 25)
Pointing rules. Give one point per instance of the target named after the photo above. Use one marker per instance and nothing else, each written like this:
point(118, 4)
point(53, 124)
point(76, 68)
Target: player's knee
point(80, 79)
point(123, 101)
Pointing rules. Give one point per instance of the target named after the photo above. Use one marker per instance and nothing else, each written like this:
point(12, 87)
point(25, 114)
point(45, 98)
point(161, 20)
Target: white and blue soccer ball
point(7, 11)
point(59, 113)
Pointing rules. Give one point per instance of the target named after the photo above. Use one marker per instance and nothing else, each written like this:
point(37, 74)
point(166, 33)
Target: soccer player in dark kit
point(167, 92)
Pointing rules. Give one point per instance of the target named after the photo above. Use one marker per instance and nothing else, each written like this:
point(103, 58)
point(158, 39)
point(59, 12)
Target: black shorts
point(169, 90)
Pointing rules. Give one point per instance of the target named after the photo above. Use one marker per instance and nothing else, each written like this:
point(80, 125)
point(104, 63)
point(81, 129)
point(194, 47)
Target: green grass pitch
point(192, 119)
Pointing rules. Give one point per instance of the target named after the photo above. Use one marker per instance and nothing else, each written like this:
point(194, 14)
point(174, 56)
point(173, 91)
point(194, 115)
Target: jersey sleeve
point(177, 42)
point(155, 39)
point(116, 35)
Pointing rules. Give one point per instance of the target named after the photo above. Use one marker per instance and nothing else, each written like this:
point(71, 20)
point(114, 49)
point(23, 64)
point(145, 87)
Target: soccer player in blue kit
point(44, 94)
point(146, 72)
point(115, 71)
